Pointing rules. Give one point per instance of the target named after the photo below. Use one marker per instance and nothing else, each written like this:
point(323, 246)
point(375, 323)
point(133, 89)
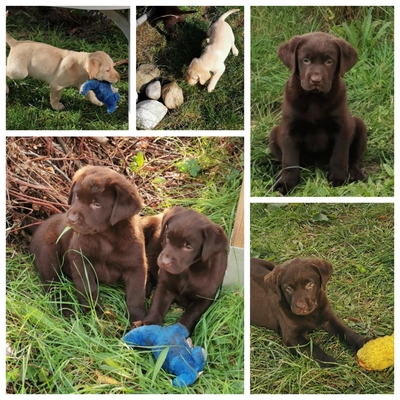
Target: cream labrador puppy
point(221, 41)
point(58, 67)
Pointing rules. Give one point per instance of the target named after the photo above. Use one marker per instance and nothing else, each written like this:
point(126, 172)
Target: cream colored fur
point(221, 41)
point(58, 67)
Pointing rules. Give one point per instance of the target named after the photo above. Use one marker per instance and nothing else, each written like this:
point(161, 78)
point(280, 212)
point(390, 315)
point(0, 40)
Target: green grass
point(85, 354)
point(212, 188)
point(28, 103)
point(370, 92)
point(358, 239)
point(223, 109)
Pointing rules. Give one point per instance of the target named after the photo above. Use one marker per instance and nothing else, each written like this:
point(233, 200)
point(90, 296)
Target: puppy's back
point(261, 311)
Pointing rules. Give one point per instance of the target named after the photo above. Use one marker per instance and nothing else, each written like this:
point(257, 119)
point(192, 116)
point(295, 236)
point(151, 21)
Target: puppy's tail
point(223, 16)
point(10, 40)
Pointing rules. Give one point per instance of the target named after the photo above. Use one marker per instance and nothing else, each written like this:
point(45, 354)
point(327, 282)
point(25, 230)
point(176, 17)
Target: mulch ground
point(39, 172)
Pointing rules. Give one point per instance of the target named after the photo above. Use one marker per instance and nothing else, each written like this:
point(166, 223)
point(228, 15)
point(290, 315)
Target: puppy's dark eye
point(95, 204)
point(329, 62)
point(289, 289)
point(187, 246)
point(309, 285)
point(306, 61)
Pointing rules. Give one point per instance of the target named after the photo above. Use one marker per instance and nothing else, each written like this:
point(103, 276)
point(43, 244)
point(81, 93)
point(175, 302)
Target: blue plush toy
point(183, 360)
point(104, 91)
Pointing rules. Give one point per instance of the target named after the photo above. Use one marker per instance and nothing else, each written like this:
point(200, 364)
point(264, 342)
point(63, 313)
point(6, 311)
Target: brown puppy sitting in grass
point(316, 126)
point(59, 67)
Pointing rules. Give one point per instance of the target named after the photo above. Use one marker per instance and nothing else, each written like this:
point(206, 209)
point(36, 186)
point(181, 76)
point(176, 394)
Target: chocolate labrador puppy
point(187, 258)
point(316, 126)
point(105, 242)
point(170, 15)
point(291, 300)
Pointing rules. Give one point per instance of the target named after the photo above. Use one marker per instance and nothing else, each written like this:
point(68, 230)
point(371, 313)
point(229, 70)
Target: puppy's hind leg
point(55, 96)
point(357, 149)
point(15, 73)
point(234, 49)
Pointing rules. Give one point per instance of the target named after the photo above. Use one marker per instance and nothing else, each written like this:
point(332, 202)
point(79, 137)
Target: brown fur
point(187, 257)
point(106, 229)
point(170, 15)
point(316, 126)
point(291, 300)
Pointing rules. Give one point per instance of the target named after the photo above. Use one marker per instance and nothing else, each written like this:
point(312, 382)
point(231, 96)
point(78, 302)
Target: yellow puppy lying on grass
point(221, 41)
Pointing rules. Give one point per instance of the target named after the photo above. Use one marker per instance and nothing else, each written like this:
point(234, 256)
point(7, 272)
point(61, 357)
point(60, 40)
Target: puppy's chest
point(306, 323)
point(105, 252)
point(314, 132)
point(188, 286)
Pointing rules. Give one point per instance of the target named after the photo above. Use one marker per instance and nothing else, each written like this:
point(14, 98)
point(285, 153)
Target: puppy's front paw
point(337, 177)
point(355, 175)
point(136, 324)
point(57, 106)
point(336, 180)
point(283, 186)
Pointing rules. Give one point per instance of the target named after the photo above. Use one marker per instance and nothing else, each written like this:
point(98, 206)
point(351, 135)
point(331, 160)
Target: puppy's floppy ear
point(215, 240)
point(272, 280)
point(204, 76)
point(70, 194)
point(324, 269)
point(196, 71)
point(348, 56)
point(127, 202)
point(78, 175)
point(167, 215)
point(287, 53)
point(93, 66)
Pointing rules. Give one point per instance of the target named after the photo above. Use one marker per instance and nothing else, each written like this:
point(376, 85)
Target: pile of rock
point(158, 97)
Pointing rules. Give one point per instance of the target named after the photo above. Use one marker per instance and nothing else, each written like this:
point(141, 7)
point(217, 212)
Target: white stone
point(153, 90)
point(149, 113)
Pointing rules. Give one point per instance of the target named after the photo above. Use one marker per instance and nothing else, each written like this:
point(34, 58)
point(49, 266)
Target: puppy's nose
point(73, 217)
point(165, 261)
point(301, 304)
point(316, 79)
